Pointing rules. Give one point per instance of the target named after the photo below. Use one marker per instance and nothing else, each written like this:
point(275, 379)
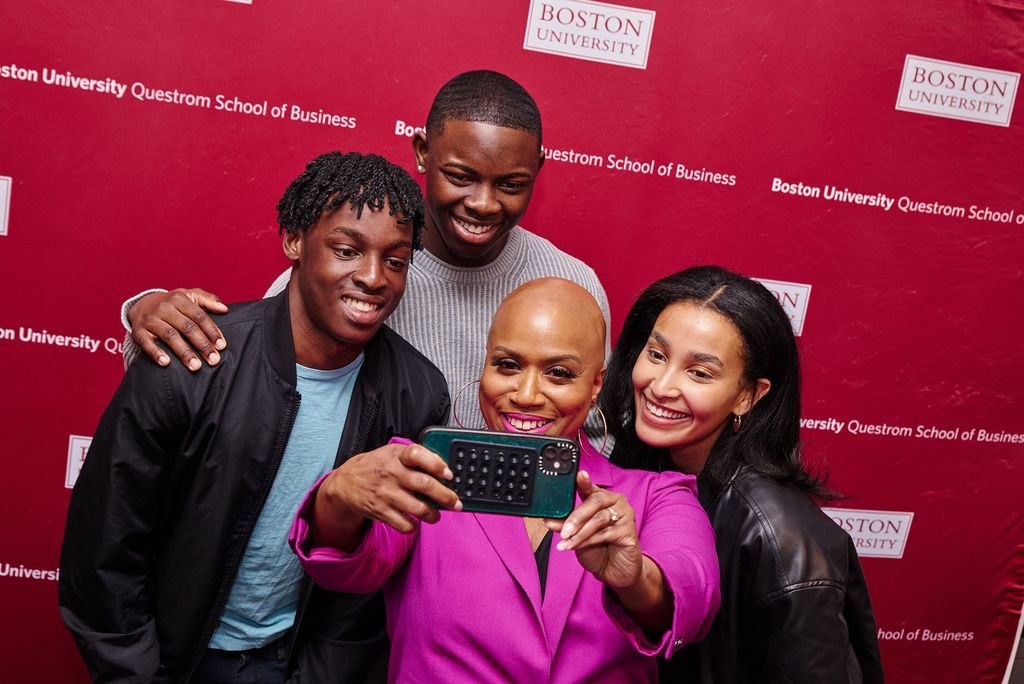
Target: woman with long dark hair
point(705, 380)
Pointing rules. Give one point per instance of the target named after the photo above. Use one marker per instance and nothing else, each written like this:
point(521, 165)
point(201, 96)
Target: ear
point(419, 149)
point(598, 384)
point(540, 162)
point(292, 245)
point(752, 396)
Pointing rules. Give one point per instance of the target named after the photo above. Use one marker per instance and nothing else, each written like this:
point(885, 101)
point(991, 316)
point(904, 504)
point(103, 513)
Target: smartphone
point(508, 473)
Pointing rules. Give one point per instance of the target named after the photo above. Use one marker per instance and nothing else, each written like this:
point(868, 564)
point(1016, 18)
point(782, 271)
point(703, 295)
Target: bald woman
point(630, 574)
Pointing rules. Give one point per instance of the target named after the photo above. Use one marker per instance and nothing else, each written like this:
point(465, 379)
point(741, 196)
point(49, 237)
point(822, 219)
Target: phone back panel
point(508, 473)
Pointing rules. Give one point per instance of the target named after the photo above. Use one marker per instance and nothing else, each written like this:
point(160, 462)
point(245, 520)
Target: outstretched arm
point(602, 531)
point(661, 579)
point(178, 319)
point(358, 525)
point(380, 485)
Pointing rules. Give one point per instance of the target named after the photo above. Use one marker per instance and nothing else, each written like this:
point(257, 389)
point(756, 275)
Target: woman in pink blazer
point(474, 597)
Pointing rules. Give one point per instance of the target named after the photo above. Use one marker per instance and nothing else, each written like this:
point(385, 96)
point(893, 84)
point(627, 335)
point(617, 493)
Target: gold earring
point(737, 421)
point(455, 403)
point(604, 423)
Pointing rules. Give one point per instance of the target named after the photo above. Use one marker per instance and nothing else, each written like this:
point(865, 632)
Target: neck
point(689, 460)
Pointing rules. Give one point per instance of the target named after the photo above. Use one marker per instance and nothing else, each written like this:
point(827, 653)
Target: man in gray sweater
point(481, 155)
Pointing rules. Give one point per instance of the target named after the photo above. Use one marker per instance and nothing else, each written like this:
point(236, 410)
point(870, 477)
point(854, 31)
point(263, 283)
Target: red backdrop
point(911, 340)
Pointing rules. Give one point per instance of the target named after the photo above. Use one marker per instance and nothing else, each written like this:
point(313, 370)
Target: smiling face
point(688, 382)
point(545, 360)
point(479, 178)
point(349, 275)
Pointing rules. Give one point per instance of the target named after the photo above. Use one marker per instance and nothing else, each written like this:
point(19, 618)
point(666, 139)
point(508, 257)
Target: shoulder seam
point(769, 531)
point(798, 586)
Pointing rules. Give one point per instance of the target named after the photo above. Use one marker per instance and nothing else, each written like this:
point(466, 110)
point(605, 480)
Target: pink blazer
point(463, 595)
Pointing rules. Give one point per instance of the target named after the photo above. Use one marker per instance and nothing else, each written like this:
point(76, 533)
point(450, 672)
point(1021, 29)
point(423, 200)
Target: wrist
point(646, 590)
point(334, 523)
point(649, 601)
point(126, 307)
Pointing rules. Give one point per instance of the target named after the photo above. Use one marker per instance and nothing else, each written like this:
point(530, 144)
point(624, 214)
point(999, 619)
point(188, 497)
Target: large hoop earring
point(455, 402)
point(604, 423)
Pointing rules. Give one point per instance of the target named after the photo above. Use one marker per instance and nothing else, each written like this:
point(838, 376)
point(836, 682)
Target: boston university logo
point(793, 297)
point(78, 447)
point(880, 534)
point(596, 31)
point(957, 91)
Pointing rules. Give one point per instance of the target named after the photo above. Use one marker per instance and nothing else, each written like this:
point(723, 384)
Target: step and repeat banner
point(865, 160)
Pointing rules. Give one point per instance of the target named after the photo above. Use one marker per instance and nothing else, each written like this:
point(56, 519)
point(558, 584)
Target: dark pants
point(265, 665)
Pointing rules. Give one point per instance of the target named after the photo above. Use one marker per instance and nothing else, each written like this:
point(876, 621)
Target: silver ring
point(613, 515)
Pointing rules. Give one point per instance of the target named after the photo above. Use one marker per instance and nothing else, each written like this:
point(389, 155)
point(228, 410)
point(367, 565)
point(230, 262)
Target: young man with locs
point(175, 564)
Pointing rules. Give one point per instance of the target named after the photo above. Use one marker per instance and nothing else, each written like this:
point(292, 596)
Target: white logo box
point(877, 534)
point(793, 297)
point(594, 31)
point(6, 187)
point(78, 447)
point(957, 91)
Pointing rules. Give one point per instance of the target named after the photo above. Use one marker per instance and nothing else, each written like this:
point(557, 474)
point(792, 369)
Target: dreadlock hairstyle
point(362, 180)
point(769, 439)
point(488, 97)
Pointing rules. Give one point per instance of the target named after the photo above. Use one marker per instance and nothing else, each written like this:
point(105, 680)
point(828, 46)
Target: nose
point(483, 201)
point(370, 274)
point(664, 385)
point(528, 391)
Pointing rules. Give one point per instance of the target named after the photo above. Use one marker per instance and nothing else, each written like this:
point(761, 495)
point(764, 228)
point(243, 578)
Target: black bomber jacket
point(177, 473)
point(795, 606)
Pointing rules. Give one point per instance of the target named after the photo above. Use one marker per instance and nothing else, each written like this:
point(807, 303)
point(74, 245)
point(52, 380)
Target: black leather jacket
point(177, 473)
point(795, 606)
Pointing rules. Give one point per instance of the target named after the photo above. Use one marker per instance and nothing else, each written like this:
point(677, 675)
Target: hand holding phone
point(388, 484)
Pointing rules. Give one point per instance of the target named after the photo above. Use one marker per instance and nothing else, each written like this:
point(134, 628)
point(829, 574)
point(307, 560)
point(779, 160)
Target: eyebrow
point(707, 358)
point(700, 357)
point(550, 359)
point(360, 237)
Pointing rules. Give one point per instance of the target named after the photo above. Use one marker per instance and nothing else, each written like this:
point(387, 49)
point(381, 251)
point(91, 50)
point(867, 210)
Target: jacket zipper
point(229, 577)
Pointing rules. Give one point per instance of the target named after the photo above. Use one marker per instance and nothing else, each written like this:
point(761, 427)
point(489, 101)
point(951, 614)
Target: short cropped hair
point(484, 96)
point(362, 180)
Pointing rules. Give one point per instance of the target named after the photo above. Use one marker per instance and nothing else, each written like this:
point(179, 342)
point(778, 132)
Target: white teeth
point(664, 413)
point(519, 424)
point(360, 305)
point(472, 228)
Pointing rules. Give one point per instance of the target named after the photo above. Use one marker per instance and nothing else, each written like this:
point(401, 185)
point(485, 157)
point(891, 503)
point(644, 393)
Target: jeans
point(265, 665)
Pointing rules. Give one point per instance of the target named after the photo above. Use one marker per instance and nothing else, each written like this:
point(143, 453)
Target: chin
point(569, 431)
point(655, 438)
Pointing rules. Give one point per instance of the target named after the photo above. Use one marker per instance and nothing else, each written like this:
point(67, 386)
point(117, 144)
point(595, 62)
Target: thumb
point(584, 484)
point(207, 300)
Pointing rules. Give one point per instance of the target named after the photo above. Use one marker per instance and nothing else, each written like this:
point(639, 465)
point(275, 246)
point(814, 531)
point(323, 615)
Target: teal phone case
point(508, 473)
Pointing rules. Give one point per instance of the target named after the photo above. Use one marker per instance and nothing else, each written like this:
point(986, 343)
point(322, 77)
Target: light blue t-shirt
point(265, 595)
